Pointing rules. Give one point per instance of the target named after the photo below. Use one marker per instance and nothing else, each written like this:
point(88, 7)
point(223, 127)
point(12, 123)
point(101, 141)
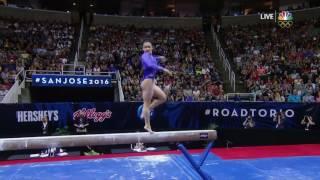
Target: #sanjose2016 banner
point(70, 81)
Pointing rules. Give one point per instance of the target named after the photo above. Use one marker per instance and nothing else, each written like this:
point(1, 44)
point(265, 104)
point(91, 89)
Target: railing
point(113, 75)
point(65, 66)
point(20, 75)
point(76, 59)
point(121, 95)
point(225, 61)
point(102, 73)
point(28, 73)
point(240, 97)
point(75, 70)
point(25, 76)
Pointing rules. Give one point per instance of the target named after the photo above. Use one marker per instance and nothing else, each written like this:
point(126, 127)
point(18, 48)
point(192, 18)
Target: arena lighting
point(25, 143)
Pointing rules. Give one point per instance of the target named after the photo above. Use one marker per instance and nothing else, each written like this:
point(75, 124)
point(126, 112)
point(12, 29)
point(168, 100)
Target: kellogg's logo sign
point(92, 114)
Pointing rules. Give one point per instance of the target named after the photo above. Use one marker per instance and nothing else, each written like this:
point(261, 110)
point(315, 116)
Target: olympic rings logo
point(285, 24)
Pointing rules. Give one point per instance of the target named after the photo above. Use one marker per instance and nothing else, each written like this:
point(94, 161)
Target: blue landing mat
point(165, 167)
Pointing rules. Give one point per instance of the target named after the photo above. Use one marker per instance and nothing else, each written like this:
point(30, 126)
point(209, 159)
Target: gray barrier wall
point(186, 22)
point(149, 21)
point(35, 14)
point(298, 15)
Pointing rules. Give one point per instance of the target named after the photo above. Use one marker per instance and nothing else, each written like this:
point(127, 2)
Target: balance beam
point(43, 142)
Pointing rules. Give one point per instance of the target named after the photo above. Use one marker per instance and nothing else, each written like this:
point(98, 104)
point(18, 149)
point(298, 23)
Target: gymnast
point(149, 88)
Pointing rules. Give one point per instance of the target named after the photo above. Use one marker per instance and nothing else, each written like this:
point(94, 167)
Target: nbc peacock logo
point(285, 19)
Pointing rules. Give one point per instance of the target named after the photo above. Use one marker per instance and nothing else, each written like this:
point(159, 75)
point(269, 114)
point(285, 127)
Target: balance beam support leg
point(196, 166)
point(205, 153)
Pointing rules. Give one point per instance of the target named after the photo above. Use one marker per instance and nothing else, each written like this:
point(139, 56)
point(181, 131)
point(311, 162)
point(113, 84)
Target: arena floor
point(270, 162)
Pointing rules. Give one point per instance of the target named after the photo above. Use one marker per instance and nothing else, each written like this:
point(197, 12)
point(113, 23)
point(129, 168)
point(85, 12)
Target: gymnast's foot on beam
point(148, 129)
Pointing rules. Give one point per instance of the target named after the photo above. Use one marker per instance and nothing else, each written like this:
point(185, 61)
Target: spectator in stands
point(32, 46)
point(317, 97)
point(248, 123)
point(96, 69)
point(3, 2)
point(276, 63)
point(196, 93)
point(278, 97)
point(294, 97)
point(279, 119)
point(187, 93)
point(307, 121)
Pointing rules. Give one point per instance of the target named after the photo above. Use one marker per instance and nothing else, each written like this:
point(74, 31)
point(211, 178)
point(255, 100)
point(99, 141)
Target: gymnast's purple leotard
point(150, 66)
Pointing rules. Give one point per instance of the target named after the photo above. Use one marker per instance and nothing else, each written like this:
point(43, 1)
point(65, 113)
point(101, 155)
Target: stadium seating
point(32, 46)
point(277, 64)
point(113, 48)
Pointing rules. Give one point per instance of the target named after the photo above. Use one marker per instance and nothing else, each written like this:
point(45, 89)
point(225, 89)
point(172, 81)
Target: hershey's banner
point(75, 118)
point(70, 81)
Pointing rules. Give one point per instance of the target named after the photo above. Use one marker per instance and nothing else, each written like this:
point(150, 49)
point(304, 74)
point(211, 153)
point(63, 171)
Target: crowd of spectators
point(112, 48)
point(32, 46)
point(277, 64)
